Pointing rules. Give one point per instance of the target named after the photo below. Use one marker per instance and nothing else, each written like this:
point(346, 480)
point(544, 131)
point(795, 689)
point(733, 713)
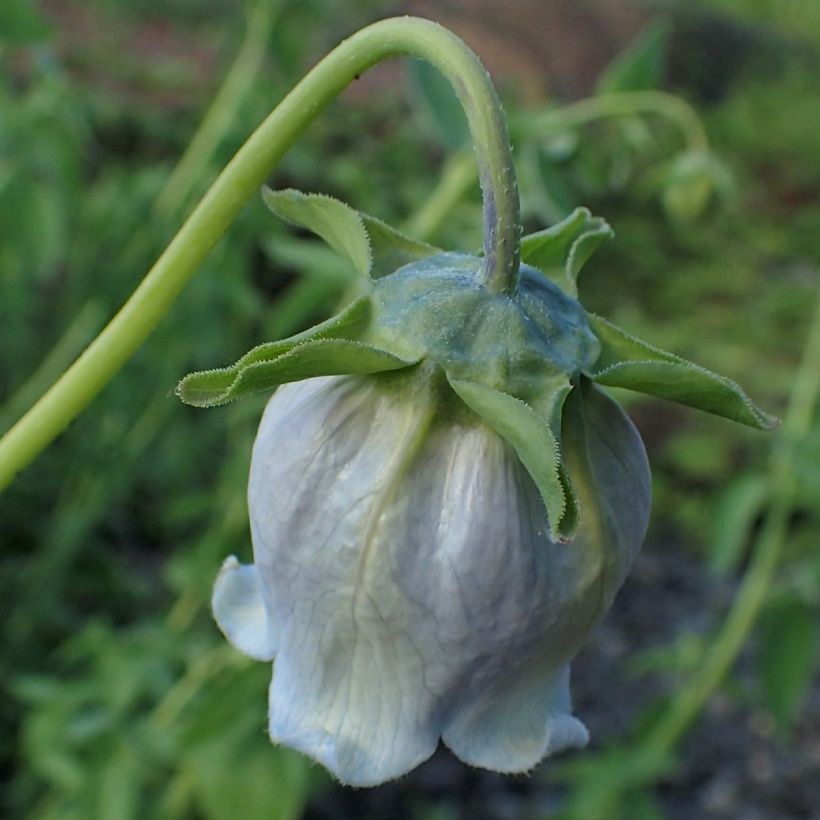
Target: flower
point(443, 502)
point(405, 580)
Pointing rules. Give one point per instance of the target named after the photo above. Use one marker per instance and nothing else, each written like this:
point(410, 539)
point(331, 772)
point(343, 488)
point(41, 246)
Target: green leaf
point(530, 436)
point(338, 224)
point(435, 96)
point(268, 783)
point(635, 365)
point(553, 198)
point(21, 23)
point(322, 357)
point(788, 656)
point(640, 65)
point(561, 251)
point(391, 249)
point(733, 519)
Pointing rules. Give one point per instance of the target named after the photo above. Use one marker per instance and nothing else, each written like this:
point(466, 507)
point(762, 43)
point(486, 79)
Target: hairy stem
point(241, 179)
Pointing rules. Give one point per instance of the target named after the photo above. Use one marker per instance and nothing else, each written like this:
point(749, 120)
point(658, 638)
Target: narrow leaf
point(788, 656)
point(338, 224)
point(390, 249)
point(324, 357)
point(435, 96)
point(733, 519)
point(628, 362)
point(561, 251)
point(530, 436)
point(640, 66)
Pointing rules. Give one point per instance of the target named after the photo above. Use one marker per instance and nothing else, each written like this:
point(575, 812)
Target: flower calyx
point(511, 358)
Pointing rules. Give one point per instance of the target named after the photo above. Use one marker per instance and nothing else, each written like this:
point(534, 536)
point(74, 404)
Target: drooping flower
point(444, 503)
point(405, 580)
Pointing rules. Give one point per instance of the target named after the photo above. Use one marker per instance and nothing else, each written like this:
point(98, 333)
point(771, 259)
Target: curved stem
point(229, 98)
point(752, 594)
point(175, 191)
point(620, 104)
point(240, 180)
point(459, 172)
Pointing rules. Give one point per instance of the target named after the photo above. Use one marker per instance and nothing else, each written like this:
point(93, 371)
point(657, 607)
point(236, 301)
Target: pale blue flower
point(405, 581)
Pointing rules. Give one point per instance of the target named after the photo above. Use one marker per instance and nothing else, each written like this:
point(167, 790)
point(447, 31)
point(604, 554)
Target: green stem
point(227, 102)
point(457, 176)
point(752, 594)
point(240, 180)
point(178, 186)
point(459, 172)
point(188, 686)
point(659, 742)
point(619, 104)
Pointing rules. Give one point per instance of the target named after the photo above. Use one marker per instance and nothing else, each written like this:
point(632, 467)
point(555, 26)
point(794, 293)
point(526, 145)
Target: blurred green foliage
point(119, 697)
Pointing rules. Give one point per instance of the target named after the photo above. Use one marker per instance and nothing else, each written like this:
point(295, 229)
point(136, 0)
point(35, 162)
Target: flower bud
point(443, 502)
point(405, 579)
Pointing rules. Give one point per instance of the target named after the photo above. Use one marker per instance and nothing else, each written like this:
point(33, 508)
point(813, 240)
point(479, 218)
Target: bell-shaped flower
point(406, 582)
point(443, 504)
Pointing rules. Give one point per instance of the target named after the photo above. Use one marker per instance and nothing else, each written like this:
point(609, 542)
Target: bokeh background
point(119, 699)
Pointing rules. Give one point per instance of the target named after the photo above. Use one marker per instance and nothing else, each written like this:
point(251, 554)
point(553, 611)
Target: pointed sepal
point(628, 362)
point(334, 347)
point(390, 249)
point(323, 357)
point(561, 251)
point(374, 248)
point(338, 224)
point(529, 434)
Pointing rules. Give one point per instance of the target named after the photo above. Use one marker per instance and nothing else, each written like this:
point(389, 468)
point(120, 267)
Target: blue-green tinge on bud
point(443, 502)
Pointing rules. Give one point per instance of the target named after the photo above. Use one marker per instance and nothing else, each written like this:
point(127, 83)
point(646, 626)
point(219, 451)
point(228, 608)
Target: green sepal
point(635, 365)
point(322, 357)
point(338, 224)
point(561, 251)
point(298, 357)
point(391, 249)
point(351, 323)
point(530, 436)
point(374, 248)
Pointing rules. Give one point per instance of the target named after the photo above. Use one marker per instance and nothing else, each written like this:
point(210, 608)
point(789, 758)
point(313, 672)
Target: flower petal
point(513, 729)
point(239, 610)
point(347, 692)
point(410, 574)
point(348, 683)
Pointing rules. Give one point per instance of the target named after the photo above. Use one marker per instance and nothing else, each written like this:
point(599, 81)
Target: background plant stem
point(181, 181)
point(227, 102)
point(240, 180)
